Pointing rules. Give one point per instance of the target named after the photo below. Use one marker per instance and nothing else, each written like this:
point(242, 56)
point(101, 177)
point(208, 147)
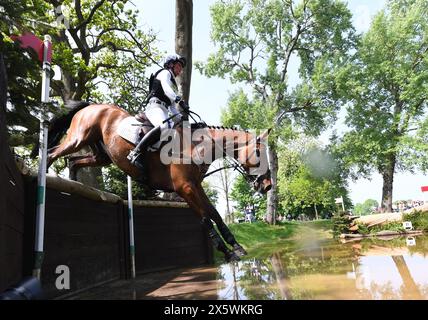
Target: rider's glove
point(177, 99)
point(184, 105)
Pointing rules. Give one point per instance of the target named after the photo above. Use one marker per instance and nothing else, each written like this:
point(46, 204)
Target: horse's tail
point(59, 125)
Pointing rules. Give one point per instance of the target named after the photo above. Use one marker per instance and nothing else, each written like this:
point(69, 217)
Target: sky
point(209, 95)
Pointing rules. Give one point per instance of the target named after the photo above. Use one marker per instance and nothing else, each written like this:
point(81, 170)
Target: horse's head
point(255, 161)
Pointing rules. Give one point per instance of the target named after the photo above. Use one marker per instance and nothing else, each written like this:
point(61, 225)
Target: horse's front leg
point(222, 227)
point(226, 234)
point(195, 197)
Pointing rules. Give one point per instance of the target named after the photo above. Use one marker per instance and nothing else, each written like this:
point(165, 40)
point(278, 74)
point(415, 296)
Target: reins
point(232, 162)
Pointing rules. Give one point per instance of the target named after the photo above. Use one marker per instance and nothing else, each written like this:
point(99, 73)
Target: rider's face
point(177, 68)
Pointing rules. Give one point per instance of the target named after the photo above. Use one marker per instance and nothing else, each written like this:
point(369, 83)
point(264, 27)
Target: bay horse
point(95, 126)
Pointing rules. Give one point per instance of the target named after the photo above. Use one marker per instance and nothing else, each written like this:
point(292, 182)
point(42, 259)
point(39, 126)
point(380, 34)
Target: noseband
point(236, 165)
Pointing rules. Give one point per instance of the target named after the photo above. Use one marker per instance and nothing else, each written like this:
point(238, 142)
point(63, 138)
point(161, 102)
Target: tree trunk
point(183, 42)
point(388, 179)
point(410, 289)
point(235, 283)
point(90, 176)
point(280, 276)
point(183, 46)
point(225, 186)
point(272, 196)
point(3, 88)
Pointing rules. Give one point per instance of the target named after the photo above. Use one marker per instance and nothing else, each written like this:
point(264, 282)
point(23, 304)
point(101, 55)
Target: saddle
point(132, 129)
point(146, 125)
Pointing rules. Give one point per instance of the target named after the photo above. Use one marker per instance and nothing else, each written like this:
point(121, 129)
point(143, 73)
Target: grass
point(391, 226)
point(260, 238)
point(255, 234)
point(419, 220)
point(325, 225)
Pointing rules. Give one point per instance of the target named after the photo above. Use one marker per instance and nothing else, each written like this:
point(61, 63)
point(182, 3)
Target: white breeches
point(157, 114)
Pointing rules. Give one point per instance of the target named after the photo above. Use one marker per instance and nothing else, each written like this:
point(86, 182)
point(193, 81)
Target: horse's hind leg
point(98, 159)
point(68, 146)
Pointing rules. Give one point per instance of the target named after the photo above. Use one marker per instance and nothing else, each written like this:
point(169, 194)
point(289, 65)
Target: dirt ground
point(196, 283)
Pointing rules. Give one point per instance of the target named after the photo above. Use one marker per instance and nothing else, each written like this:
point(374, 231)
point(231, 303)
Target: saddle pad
point(129, 129)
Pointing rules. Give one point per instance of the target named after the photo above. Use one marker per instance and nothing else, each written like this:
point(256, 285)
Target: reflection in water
point(278, 269)
point(369, 269)
point(410, 289)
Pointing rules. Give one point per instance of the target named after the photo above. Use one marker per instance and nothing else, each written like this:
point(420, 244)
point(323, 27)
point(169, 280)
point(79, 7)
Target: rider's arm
point(165, 78)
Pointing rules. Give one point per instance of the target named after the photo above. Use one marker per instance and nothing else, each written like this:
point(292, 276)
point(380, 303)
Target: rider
point(162, 97)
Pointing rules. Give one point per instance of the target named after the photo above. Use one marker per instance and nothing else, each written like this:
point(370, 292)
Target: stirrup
point(133, 156)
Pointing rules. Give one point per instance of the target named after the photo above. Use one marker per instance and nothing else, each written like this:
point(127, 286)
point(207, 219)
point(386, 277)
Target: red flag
point(424, 188)
point(29, 40)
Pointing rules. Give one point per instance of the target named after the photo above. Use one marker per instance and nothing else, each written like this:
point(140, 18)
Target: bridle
point(233, 163)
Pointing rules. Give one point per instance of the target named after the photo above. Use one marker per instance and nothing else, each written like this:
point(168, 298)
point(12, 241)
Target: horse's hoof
point(232, 256)
point(239, 251)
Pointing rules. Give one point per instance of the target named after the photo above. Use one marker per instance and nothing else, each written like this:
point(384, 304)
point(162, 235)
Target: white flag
point(339, 200)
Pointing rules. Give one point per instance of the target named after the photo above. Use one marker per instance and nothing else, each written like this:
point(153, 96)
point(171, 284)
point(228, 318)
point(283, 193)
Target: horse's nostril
point(267, 188)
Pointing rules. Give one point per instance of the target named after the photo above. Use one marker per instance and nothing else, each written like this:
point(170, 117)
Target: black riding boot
point(149, 139)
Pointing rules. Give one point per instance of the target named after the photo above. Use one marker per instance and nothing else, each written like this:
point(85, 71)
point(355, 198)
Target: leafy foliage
point(255, 44)
point(385, 87)
point(256, 40)
point(390, 226)
point(211, 192)
point(101, 52)
point(115, 181)
point(244, 196)
point(366, 207)
point(340, 223)
point(419, 220)
point(309, 177)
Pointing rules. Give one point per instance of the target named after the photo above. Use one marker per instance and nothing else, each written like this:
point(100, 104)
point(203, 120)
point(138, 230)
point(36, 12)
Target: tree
point(256, 41)
point(244, 196)
point(310, 179)
point(105, 45)
point(183, 46)
point(23, 73)
point(211, 192)
point(183, 42)
point(385, 86)
point(115, 181)
point(222, 182)
point(366, 207)
point(226, 185)
point(101, 53)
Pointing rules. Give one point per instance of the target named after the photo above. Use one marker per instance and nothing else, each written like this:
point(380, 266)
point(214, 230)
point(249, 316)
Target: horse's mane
point(201, 125)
